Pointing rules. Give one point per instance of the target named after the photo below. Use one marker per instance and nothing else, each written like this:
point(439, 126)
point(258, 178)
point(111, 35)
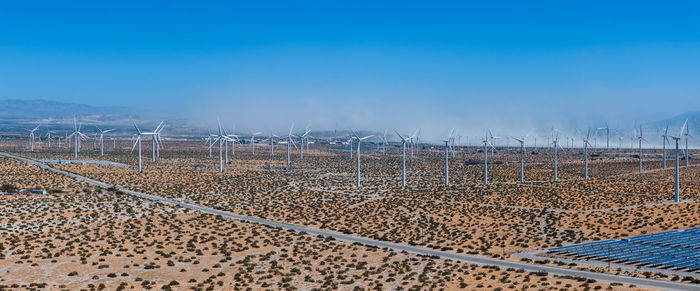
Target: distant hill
point(674, 123)
point(43, 109)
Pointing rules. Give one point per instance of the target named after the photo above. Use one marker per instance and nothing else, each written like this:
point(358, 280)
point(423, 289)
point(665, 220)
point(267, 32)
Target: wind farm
point(335, 146)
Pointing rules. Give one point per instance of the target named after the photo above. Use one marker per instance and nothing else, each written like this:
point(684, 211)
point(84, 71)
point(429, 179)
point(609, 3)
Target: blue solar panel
point(679, 250)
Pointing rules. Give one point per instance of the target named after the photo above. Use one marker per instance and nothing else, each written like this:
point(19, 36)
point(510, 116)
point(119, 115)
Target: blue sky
point(370, 64)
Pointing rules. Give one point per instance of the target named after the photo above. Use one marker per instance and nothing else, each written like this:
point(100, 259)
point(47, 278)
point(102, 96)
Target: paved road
point(471, 259)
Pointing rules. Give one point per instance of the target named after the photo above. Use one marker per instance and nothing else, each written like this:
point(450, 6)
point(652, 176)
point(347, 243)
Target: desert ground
point(82, 237)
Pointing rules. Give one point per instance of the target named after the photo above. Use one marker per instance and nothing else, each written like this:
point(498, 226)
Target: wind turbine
point(158, 140)
point(272, 142)
point(452, 142)
point(303, 138)
point(359, 143)
point(487, 143)
point(522, 156)
point(77, 135)
point(290, 142)
point(208, 142)
point(641, 138)
point(687, 134)
point(403, 144)
point(384, 141)
point(586, 144)
point(665, 136)
point(48, 136)
point(252, 140)
point(102, 134)
point(677, 197)
point(31, 136)
point(555, 142)
point(447, 142)
point(234, 138)
point(607, 135)
point(493, 139)
point(137, 142)
point(222, 139)
point(155, 140)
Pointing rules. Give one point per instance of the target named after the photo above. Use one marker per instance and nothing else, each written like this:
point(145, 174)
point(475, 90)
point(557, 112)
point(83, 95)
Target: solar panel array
point(673, 250)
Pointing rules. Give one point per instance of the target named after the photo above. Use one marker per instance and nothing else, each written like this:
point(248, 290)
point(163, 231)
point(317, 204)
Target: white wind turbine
point(586, 144)
point(665, 136)
point(447, 142)
point(677, 197)
point(607, 135)
point(493, 140)
point(77, 136)
point(272, 142)
point(487, 143)
point(640, 138)
point(137, 141)
point(290, 142)
point(252, 140)
point(31, 137)
point(687, 134)
point(403, 165)
point(233, 138)
point(384, 141)
point(555, 143)
point(221, 138)
point(359, 143)
point(522, 156)
point(155, 135)
point(155, 140)
point(102, 134)
point(303, 138)
point(48, 136)
point(208, 141)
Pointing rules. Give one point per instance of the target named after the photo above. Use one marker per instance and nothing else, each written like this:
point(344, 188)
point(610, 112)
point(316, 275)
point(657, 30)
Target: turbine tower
point(290, 142)
point(76, 135)
point(252, 140)
point(272, 142)
point(359, 143)
point(102, 135)
point(687, 134)
point(607, 135)
point(208, 142)
point(665, 136)
point(155, 140)
point(222, 139)
point(447, 142)
point(555, 142)
point(586, 144)
point(487, 143)
point(137, 142)
point(677, 197)
point(403, 165)
point(522, 156)
point(48, 136)
point(31, 137)
point(640, 138)
point(303, 138)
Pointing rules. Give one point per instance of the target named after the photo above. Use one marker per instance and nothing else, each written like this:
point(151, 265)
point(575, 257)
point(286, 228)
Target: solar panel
point(679, 250)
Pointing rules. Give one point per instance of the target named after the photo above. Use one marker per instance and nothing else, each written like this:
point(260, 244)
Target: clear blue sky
point(366, 64)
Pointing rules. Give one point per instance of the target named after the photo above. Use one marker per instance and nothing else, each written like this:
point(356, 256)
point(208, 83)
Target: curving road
point(471, 259)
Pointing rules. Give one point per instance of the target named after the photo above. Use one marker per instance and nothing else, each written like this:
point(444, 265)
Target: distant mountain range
point(676, 122)
point(43, 109)
point(18, 115)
